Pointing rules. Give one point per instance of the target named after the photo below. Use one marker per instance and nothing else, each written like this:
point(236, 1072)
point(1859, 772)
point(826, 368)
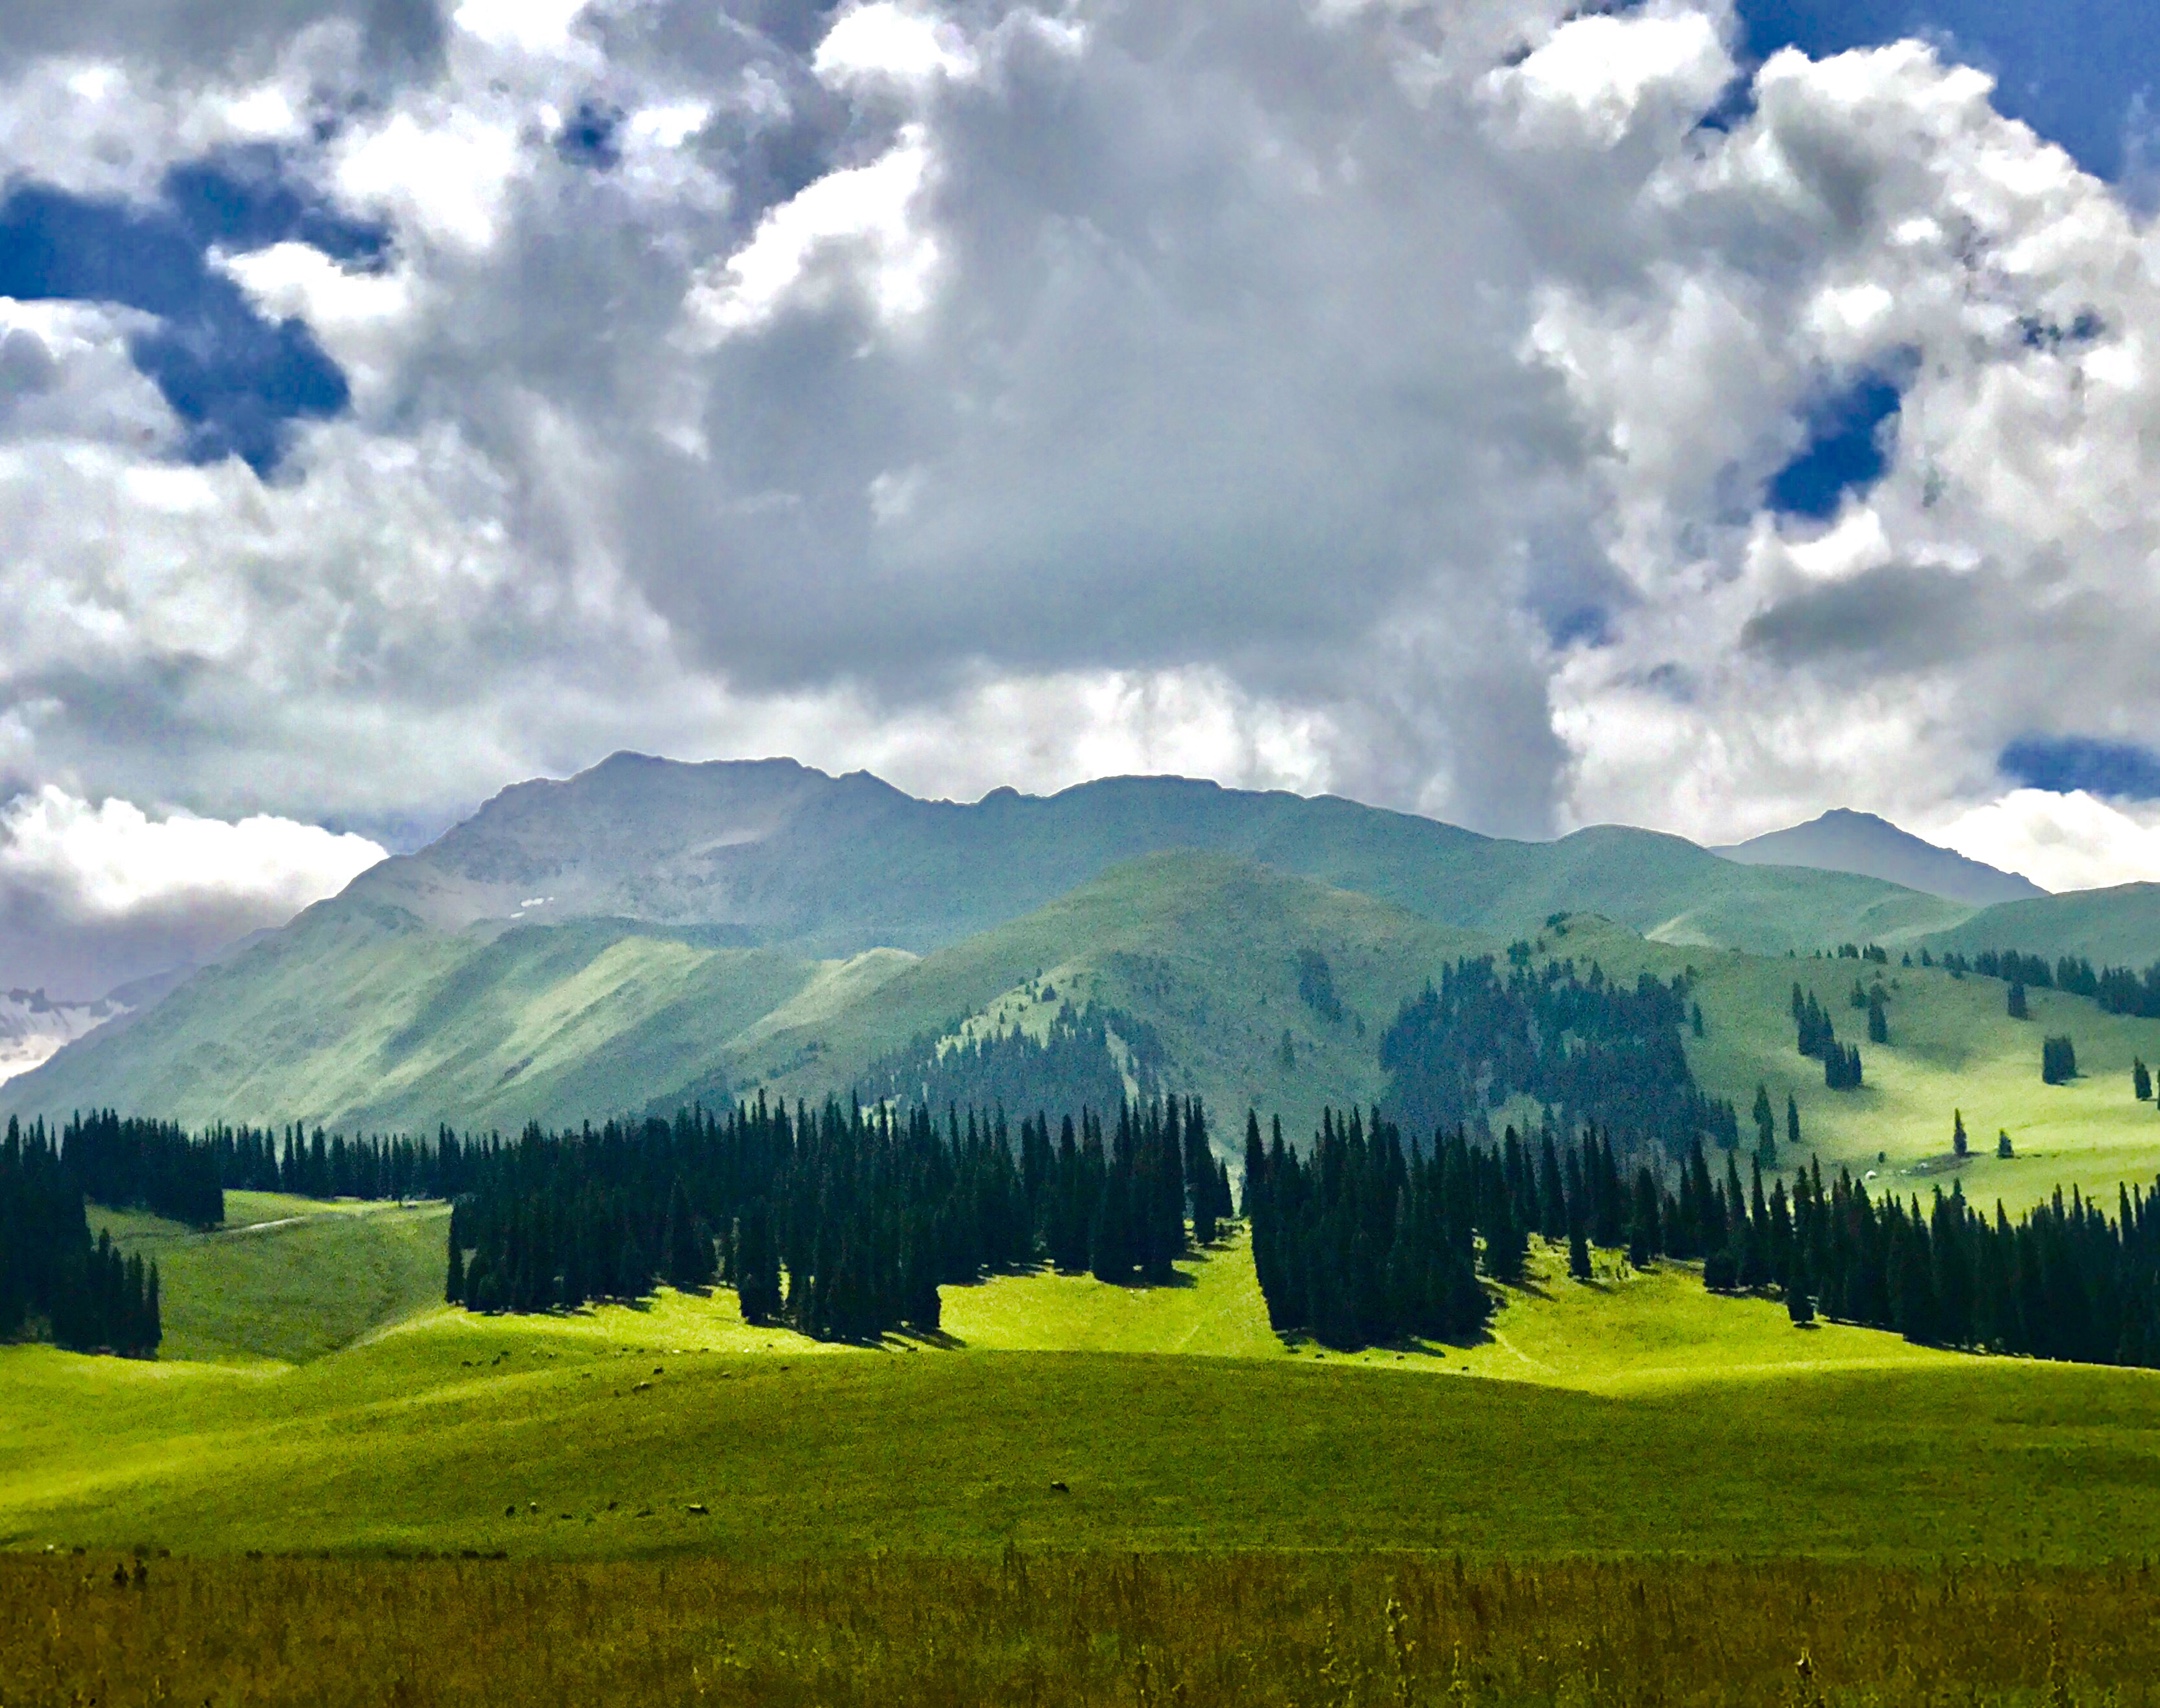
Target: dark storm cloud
point(1897, 617)
point(406, 35)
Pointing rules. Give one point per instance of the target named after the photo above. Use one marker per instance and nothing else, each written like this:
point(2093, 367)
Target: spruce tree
point(1578, 1254)
point(2016, 1005)
point(2141, 1079)
point(1958, 1143)
point(454, 1284)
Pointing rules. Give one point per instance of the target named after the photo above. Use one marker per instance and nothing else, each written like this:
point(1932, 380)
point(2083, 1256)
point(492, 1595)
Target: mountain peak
point(1843, 840)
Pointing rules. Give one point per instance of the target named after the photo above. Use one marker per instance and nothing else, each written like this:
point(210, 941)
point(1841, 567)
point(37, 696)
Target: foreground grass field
point(559, 1451)
point(1632, 1491)
point(1067, 1630)
point(1638, 1414)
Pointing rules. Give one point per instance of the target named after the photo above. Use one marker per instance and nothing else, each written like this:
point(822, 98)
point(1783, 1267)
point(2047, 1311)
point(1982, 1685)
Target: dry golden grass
point(1056, 1631)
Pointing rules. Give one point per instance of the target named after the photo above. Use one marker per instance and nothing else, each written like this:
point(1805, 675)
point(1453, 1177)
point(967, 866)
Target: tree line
point(2063, 1281)
point(2119, 990)
point(1366, 1240)
point(139, 1164)
point(329, 1165)
point(55, 1281)
point(841, 1222)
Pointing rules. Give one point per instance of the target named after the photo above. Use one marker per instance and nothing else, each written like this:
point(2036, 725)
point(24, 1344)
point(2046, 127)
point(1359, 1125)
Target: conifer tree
point(2016, 1000)
point(2141, 1079)
point(454, 1284)
point(1958, 1142)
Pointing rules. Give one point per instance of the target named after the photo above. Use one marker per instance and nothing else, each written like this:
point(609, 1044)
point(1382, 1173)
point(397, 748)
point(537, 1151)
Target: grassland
point(1066, 1631)
point(1636, 1414)
point(491, 1026)
point(1074, 1494)
point(287, 1279)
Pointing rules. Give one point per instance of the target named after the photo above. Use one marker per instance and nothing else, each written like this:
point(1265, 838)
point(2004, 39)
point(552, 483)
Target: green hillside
point(493, 1027)
point(287, 1279)
point(1952, 1048)
point(2112, 927)
point(404, 1027)
point(486, 1435)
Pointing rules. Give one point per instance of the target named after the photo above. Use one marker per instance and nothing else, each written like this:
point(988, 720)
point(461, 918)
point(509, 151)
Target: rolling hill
point(2110, 927)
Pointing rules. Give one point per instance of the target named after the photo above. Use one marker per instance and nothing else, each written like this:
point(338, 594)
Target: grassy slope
point(404, 1028)
point(2118, 927)
point(287, 1279)
point(1201, 946)
point(1952, 1047)
point(1636, 1414)
point(412, 1441)
point(577, 1020)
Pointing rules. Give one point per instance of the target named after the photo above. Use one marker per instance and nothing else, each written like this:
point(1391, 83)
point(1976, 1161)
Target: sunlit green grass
point(1633, 1414)
point(288, 1279)
point(427, 1439)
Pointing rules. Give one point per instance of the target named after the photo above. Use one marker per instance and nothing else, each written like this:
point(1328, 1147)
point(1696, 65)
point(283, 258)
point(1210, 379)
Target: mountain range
point(650, 932)
point(1846, 841)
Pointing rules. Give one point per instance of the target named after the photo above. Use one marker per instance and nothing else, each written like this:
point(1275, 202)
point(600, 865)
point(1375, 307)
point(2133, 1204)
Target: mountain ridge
point(645, 917)
point(1842, 840)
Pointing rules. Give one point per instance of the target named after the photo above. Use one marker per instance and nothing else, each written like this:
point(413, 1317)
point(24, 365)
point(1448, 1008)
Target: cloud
point(1391, 399)
point(2071, 841)
point(106, 892)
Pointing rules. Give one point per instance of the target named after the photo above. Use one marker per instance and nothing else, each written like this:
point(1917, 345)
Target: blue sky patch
point(2061, 765)
point(236, 379)
point(591, 136)
point(2083, 73)
point(1845, 451)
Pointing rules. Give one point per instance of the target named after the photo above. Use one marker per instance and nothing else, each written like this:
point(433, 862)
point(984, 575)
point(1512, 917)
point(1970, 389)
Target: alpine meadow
point(1300, 1254)
point(1079, 854)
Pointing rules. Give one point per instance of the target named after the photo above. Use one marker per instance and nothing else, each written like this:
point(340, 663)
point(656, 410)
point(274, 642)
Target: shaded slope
point(2111, 927)
point(1846, 841)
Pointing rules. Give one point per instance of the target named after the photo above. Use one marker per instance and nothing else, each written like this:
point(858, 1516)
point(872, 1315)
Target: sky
point(1676, 413)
